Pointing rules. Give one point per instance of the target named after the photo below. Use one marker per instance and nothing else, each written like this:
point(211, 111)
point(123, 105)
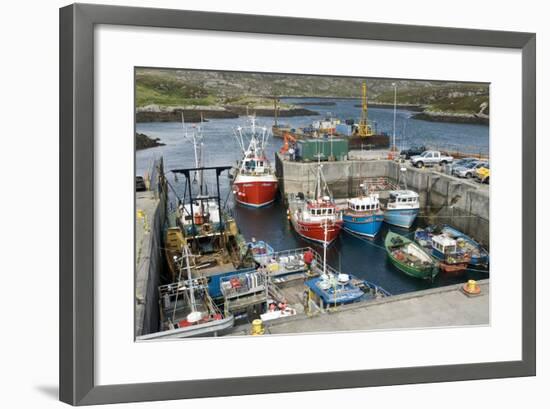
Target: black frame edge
point(529, 204)
point(76, 161)
point(66, 352)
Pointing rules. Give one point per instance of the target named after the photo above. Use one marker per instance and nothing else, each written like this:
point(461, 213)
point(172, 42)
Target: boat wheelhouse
point(451, 258)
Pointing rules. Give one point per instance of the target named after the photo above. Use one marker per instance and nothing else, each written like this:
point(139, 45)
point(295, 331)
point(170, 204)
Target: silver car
point(469, 169)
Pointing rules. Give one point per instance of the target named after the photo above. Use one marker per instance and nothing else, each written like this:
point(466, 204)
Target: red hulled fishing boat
point(255, 183)
point(315, 219)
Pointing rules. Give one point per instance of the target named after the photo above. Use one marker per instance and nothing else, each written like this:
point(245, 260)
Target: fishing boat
point(363, 215)
point(315, 219)
point(410, 257)
point(451, 259)
point(187, 310)
point(479, 256)
point(255, 183)
point(200, 222)
point(333, 287)
point(261, 251)
point(402, 206)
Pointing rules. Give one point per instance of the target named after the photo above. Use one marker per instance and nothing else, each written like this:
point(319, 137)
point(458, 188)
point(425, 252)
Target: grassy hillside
point(184, 87)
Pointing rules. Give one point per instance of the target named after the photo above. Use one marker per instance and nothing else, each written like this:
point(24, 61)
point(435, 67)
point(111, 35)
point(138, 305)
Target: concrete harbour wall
point(443, 198)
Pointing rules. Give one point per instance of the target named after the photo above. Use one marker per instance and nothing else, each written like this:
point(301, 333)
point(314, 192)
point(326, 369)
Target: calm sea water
point(362, 257)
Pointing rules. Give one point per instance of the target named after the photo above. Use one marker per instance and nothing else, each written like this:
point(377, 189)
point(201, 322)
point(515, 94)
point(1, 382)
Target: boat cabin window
point(321, 212)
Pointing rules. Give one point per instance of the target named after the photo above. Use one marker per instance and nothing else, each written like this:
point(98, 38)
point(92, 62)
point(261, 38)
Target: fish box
point(326, 149)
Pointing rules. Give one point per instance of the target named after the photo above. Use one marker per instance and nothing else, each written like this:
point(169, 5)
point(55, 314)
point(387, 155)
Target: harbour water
point(364, 258)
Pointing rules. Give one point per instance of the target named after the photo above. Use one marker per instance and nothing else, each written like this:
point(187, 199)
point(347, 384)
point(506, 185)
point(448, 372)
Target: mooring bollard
point(471, 287)
point(257, 327)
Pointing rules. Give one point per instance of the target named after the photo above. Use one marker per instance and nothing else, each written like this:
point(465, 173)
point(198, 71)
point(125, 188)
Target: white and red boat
point(315, 219)
point(255, 183)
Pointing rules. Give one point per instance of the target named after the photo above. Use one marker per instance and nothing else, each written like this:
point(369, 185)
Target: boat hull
point(453, 269)
point(340, 294)
point(255, 193)
point(401, 217)
point(367, 225)
point(316, 231)
point(428, 272)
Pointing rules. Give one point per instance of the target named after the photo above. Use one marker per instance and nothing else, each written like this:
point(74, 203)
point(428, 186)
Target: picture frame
point(76, 281)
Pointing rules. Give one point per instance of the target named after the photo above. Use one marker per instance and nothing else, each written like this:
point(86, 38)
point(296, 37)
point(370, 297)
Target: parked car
point(412, 151)
point(140, 184)
point(430, 158)
point(483, 174)
point(462, 162)
point(469, 170)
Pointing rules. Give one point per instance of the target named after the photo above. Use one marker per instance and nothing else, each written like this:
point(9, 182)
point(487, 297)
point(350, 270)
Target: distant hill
point(213, 88)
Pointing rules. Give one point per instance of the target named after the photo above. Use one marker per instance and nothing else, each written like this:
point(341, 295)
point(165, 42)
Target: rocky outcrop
point(144, 142)
point(480, 119)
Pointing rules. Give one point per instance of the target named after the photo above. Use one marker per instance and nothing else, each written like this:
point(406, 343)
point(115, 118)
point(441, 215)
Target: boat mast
point(325, 248)
point(185, 257)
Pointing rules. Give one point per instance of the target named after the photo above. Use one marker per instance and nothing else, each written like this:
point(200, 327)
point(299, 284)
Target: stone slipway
point(438, 307)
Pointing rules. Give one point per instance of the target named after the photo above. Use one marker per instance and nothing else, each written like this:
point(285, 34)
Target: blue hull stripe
point(363, 225)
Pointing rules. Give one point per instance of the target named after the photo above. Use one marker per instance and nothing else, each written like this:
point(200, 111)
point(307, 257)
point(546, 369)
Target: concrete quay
point(439, 307)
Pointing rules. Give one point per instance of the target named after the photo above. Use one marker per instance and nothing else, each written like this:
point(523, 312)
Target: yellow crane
point(364, 130)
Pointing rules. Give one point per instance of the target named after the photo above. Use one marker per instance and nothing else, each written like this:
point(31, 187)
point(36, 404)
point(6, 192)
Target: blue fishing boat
point(403, 204)
point(479, 256)
point(363, 215)
point(402, 208)
point(464, 244)
point(335, 289)
point(452, 258)
point(261, 251)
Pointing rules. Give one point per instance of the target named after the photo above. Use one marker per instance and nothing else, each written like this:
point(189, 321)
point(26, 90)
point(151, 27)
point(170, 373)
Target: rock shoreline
point(196, 114)
point(454, 118)
point(144, 142)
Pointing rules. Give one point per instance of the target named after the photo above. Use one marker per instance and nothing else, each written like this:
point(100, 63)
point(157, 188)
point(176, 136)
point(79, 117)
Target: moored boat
point(261, 251)
point(363, 215)
point(403, 205)
point(187, 310)
point(451, 259)
point(255, 183)
point(315, 219)
point(409, 257)
point(402, 208)
point(479, 256)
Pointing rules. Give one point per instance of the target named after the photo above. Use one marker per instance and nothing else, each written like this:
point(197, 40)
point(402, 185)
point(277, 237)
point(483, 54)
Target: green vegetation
point(210, 88)
point(165, 90)
point(455, 98)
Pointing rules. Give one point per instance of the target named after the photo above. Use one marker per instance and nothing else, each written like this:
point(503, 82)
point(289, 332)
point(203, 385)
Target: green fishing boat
point(409, 257)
